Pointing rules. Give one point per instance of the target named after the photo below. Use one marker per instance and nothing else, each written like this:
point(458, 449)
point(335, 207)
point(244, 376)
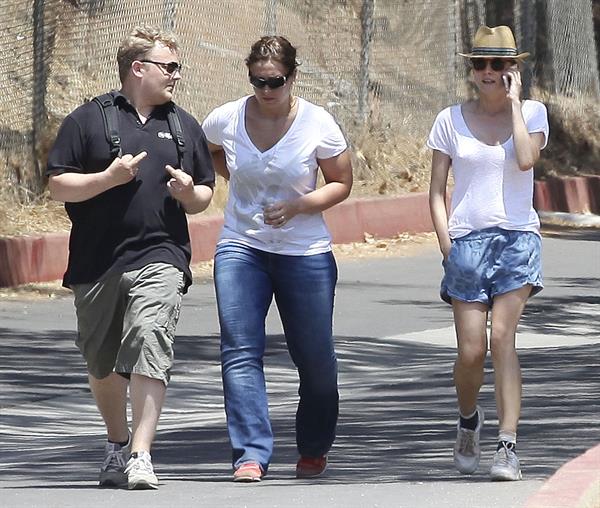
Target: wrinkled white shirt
point(489, 188)
point(283, 172)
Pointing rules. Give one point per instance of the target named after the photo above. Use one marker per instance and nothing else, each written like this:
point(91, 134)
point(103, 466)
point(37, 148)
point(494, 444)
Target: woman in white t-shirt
point(274, 243)
point(490, 239)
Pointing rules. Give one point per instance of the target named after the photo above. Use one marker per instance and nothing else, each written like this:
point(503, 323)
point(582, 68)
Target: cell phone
point(506, 79)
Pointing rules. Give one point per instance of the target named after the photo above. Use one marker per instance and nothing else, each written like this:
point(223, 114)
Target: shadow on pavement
point(38, 366)
point(397, 420)
point(567, 313)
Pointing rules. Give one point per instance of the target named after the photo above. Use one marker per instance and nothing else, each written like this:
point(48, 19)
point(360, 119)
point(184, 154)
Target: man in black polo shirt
point(129, 250)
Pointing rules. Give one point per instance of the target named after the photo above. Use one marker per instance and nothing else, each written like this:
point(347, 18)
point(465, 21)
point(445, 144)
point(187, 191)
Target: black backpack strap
point(176, 131)
point(106, 102)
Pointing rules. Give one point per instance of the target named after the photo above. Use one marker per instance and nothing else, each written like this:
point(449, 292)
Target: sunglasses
point(272, 83)
point(497, 64)
point(169, 67)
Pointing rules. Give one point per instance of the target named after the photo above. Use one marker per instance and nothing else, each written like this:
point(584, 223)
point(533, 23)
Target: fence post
point(573, 50)
point(366, 37)
point(453, 49)
point(169, 14)
point(38, 114)
point(526, 31)
point(473, 15)
point(270, 17)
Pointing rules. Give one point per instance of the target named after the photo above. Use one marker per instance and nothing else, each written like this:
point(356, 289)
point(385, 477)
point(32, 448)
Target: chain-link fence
point(383, 68)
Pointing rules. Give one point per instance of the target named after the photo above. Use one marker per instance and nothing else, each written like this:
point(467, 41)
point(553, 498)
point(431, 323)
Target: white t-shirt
point(283, 172)
point(489, 188)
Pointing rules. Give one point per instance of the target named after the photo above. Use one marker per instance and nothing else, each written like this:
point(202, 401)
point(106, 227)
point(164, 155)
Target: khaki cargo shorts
point(126, 323)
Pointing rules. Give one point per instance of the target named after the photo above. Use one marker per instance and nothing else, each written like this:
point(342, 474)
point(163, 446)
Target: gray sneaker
point(466, 448)
point(505, 466)
point(112, 471)
point(140, 473)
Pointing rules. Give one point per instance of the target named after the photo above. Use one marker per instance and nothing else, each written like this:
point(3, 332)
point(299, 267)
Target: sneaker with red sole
point(248, 472)
point(309, 467)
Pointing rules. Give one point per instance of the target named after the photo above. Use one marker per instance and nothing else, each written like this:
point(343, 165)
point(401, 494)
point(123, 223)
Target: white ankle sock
point(509, 437)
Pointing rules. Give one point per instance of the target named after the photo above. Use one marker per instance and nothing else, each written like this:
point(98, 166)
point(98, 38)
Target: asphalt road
point(397, 425)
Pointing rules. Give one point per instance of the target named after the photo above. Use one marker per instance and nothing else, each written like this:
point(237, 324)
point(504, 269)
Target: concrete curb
point(574, 485)
point(33, 258)
point(573, 194)
point(44, 258)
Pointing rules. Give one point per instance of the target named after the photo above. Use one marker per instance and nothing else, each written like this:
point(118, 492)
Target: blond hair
point(139, 43)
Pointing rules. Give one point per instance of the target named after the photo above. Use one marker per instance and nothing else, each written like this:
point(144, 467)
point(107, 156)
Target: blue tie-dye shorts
point(491, 262)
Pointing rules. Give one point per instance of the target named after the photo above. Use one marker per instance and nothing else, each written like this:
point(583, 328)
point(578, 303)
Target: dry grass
point(40, 216)
point(388, 164)
point(35, 291)
point(574, 143)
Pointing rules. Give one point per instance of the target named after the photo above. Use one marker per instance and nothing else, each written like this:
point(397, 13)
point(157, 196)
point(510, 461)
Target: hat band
point(481, 51)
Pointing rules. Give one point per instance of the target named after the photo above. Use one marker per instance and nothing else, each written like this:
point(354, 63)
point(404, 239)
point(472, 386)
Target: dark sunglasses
point(497, 64)
point(168, 67)
point(276, 82)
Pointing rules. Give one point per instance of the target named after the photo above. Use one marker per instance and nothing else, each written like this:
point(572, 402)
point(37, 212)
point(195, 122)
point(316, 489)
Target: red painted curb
point(44, 258)
point(575, 485)
point(543, 200)
point(382, 217)
point(33, 258)
point(573, 194)
point(594, 191)
point(204, 233)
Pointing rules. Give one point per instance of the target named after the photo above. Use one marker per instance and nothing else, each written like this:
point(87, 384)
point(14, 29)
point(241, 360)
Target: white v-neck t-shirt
point(285, 171)
point(489, 188)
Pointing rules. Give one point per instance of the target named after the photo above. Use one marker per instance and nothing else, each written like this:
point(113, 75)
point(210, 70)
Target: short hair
point(273, 47)
point(139, 43)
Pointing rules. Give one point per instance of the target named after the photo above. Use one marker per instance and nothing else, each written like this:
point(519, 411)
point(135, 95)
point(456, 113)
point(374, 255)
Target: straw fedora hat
point(495, 42)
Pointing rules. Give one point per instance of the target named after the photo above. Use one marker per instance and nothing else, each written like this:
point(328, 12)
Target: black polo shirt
point(131, 225)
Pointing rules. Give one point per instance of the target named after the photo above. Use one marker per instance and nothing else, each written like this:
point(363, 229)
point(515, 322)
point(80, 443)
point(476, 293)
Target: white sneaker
point(140, 473)
point(112, 471)
point(505, 466)
point(466, 448)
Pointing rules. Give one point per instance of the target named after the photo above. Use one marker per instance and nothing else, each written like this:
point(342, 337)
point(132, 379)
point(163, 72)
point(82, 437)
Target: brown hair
point(273, 47)
point(139, 43)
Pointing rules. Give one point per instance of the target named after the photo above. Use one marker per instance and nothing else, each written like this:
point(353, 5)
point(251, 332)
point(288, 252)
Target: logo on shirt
point(164, 135)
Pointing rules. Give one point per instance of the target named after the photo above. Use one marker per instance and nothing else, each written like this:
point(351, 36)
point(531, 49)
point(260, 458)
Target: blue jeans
point(246, 280)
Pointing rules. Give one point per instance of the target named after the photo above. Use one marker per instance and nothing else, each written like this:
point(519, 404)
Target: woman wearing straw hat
point(490, 240)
